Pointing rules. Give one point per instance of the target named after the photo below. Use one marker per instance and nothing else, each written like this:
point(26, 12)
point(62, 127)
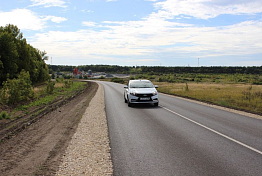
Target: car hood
point(142, 90)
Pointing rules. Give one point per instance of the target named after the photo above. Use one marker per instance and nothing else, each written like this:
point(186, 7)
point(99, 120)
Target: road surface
point(180, 137)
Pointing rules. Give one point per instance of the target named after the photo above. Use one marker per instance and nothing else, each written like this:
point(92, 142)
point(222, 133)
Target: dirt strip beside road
point(88, 152)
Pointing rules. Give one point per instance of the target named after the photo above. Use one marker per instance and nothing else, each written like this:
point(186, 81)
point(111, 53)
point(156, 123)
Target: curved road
point(180, 138)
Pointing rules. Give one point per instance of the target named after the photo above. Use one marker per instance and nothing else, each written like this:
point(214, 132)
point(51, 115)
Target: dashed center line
point(214, 131)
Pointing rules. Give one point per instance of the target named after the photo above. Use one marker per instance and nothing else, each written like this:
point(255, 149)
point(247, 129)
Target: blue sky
point(141, 32)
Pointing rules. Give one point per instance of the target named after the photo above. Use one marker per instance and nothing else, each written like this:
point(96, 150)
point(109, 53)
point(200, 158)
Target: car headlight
point(155, 93)
point(133, 93)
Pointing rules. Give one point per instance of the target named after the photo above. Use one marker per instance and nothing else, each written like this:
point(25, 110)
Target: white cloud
point(151, 37)
point(205, 9)
point(25, 19)
point(88, 23)
point(87, 11)
point(55, 19)
point(22, 18)
point(49, 3)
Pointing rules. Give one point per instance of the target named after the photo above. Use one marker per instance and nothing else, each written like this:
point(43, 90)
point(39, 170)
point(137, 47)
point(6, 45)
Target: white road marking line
point(225, 136)
point(256, 116)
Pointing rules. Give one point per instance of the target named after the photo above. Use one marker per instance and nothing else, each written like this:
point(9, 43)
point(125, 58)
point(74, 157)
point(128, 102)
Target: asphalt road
point(180, 138)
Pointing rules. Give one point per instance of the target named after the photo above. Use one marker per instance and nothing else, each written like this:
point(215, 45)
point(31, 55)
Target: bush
point(4, 115)
point(50, 87)
point(186, 87)
point(68, 83)
point(132, 78)
point(17, 90)
point(4, 96)
point(67, 76)
point(118, 80)
point(60, 80)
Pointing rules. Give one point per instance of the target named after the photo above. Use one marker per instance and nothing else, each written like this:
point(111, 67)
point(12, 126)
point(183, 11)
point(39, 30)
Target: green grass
point(42, 98)
point(59, 91)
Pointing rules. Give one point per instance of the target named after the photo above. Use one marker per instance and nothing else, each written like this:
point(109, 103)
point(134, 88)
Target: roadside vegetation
point(40, 96)
point(25, 84)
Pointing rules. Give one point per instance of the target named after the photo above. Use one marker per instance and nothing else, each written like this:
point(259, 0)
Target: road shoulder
point(89, 152)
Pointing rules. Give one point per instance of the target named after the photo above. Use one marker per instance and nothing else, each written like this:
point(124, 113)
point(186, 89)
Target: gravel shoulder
point(89, 152)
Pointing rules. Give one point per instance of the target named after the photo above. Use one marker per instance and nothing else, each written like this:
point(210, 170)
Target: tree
point(8, 56)
point(43, 55)
point(16, 55)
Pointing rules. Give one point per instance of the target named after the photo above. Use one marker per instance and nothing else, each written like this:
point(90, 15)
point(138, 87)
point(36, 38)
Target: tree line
point(16, 55)
point(159, 69)
point(94, 68)
point(206, 70)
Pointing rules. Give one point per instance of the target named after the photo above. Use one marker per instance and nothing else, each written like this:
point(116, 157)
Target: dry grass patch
point(238, 96)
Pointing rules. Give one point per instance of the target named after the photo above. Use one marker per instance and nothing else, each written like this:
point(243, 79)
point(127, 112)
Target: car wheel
point(155, 104)
point(128, 102)
point(125, 99)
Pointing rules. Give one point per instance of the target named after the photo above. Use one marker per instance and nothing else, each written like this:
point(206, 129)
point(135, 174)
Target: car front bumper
point(135, 99)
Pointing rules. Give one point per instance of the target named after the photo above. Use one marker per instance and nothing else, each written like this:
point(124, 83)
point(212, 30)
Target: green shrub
point(4, 115)
point(186, 87)
point(4, 96)
point(68, 83)
point(132, 78)
point(25, 86)
point(60, 80)
point(17, 90)
point(118, 80)
point(65, 76)
point(50, 87)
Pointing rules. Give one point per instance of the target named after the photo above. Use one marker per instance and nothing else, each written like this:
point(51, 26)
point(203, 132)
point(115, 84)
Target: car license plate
point(147, 98)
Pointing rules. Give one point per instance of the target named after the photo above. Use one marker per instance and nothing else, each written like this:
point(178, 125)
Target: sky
point(141, 32)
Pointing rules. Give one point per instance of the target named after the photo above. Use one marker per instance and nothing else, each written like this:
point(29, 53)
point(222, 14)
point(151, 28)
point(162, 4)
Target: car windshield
point(141, 84)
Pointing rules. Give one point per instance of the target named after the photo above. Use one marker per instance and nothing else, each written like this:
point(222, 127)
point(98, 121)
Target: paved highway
point(180, 137)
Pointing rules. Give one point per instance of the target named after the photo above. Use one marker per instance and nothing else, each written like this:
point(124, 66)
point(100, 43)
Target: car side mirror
point(125, 87)
point(156, 86)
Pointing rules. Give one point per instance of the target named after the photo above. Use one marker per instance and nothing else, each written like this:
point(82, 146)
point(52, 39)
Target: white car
point(141, 91)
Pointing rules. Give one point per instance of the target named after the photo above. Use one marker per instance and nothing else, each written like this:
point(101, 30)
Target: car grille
point(144, 95)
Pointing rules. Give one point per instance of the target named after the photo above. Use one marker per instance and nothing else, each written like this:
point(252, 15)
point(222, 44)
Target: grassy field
point(238, 96)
